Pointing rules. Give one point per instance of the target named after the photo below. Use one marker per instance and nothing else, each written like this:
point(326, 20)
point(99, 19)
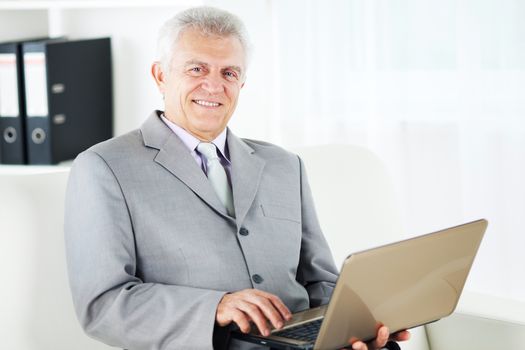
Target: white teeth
point(207, 104)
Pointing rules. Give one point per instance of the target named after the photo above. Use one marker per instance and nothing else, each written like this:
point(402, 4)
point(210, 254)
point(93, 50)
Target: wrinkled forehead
point(212, 49)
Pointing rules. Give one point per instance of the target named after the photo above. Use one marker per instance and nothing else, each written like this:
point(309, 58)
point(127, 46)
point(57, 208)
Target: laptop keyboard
point(306, 331)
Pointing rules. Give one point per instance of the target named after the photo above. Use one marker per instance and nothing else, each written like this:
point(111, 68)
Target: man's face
point(202, 87)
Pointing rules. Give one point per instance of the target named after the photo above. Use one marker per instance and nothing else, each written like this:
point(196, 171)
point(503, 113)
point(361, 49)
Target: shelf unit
point(32, 5)
point(133, 46)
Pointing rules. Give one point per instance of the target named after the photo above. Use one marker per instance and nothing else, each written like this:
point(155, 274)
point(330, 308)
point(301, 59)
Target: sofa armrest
point(480, 322)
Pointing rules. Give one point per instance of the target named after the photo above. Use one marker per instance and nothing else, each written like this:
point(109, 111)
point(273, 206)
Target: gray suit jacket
point(151, 250)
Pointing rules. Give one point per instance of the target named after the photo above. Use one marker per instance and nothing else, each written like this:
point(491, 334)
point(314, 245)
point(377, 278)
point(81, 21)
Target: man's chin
point(209, 121)
point(207, 132)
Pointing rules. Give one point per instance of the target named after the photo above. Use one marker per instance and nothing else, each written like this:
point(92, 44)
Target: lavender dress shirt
point(192, 142)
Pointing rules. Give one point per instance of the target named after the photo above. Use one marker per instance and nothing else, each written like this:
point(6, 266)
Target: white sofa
point(357, 210)
point(36, 311)
point(356, 205)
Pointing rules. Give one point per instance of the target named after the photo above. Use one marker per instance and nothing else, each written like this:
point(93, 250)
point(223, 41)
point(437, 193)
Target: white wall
point(434, 87)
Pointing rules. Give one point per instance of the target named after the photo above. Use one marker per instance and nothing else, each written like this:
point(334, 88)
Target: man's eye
point(230, 74)
point(196, 69)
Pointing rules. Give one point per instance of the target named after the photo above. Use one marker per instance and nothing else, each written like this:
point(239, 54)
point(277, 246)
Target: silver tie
point(217, 175)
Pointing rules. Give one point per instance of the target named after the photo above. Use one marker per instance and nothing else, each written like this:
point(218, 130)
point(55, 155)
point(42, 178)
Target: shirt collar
point(192, 142)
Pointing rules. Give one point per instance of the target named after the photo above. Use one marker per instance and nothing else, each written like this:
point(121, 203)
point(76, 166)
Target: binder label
point(35, 84)
point(8, 86)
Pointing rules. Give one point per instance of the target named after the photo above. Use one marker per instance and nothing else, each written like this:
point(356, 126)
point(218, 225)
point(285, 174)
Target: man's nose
point(213, 84)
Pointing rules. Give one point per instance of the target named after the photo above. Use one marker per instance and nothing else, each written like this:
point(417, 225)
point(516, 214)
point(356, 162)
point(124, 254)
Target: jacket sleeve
point(112, 304)
point(316, 271)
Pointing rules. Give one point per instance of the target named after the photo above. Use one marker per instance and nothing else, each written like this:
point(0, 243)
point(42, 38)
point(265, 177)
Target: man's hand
point(383, 336)
point(252, 305)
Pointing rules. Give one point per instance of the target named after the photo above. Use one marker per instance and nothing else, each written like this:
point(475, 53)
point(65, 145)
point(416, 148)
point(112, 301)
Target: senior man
point(180, 228)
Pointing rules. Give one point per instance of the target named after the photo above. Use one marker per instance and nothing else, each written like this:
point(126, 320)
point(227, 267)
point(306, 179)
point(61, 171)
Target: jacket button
point(244, 231)
point(257, 278)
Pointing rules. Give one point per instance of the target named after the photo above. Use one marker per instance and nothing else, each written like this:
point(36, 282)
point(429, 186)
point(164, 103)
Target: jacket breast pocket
point(282, 212)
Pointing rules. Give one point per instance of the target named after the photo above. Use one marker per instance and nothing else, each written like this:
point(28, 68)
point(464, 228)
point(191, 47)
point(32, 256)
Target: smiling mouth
point(205, 103)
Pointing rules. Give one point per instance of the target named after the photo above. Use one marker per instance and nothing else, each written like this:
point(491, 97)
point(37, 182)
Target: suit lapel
point(246, 174)
point(174, 156)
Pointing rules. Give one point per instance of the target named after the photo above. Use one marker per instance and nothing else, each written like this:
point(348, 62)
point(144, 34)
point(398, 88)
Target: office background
point(435, 88)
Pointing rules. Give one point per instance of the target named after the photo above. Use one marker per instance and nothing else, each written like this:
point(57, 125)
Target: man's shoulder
point(119, 147)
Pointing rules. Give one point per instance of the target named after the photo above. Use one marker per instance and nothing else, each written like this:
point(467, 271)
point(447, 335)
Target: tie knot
point(208, 150)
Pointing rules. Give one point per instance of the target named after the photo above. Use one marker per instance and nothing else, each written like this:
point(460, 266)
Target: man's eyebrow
point(195, 62)
point(200, 63)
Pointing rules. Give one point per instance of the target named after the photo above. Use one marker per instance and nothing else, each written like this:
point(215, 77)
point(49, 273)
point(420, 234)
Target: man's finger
point(400, 336)
point(359, 345)
point(255, 314)
point(240, 319)
point(277, 302)
point(381, 339)
point(268, 310)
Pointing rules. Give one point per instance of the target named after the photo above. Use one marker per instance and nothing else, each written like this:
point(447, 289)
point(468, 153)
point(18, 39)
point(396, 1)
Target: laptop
point(401, 285)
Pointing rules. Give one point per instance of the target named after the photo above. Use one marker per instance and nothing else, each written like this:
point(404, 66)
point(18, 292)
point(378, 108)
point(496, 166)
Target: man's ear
point(158, 75)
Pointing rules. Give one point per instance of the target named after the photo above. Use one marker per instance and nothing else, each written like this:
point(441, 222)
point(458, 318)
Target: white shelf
point(34, 169)
point(97, 4)
point(132, 26)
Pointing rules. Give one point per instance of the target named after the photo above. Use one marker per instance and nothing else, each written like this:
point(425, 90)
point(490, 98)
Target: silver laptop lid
point(401, 285)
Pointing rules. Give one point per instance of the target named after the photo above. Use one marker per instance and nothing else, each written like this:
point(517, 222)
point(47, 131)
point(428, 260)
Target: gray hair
point(208, 20)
